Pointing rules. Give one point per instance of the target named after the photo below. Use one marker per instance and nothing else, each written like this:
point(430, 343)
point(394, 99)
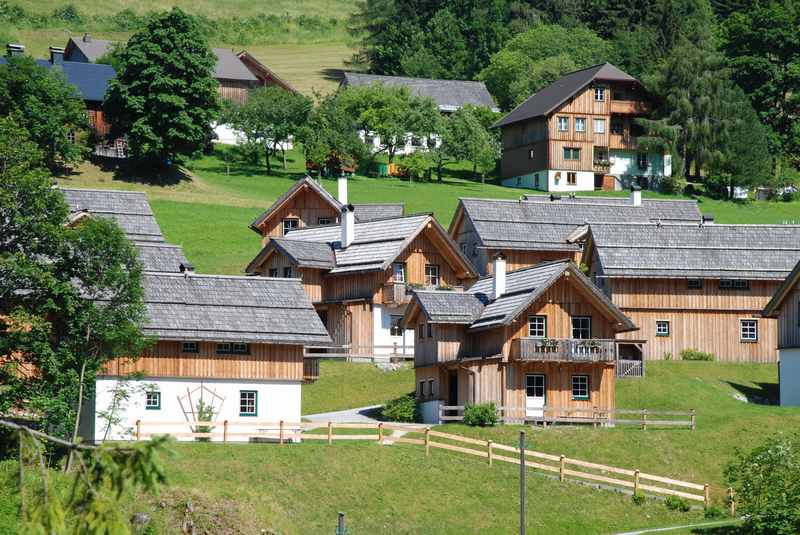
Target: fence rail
point(357, 353)
point(630, 368)
point(563, 466)
point(596, 416)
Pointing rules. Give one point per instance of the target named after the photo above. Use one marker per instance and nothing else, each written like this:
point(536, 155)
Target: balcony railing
point(564, 350)
point(396, 293)
point(602, 165)
point(635, 107)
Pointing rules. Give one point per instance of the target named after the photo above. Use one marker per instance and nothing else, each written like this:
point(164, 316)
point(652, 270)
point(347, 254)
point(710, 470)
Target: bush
point(766, 481)
point(694, 354)
point(672, 184)
point(667, 355)
point(482, 415)
point(677, 504)
point(402, 409)
point(789, 196)
point(714, 512)
point(638, 498)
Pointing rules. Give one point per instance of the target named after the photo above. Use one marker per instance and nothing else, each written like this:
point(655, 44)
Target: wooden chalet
point(579, 134)
point(539, 228)
point(785, 308)
point(360, 275)
point(308, 203)
point(537, 338)
point(700, 287)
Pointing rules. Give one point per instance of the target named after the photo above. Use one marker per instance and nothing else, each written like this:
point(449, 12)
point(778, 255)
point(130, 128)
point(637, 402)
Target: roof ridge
point(528, 268)
point(219, 276)
point(718, 225)
point(413, 78)
point(101, 190)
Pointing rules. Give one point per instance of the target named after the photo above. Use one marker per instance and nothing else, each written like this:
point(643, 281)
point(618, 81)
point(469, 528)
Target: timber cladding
point(521, 259)
point(165, 359)
point(789, 320)
point(307, 206)
point(558, 384)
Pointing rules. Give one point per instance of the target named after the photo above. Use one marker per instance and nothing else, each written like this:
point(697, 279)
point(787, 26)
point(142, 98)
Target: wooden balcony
point(622, 141)
point(601, 166)
point(563, 350)
point(629, 107)
point(396, 294)
point(310, 369)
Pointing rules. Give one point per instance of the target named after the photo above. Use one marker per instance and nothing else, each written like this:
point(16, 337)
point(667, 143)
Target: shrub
point(638, 498)
point(677, 504)
point(667, 355)
point(766, 481)
point(402, 409)
point(694, 354)
point(714, 512)
point(672, 184)
point(482, 415)
point(789, 196)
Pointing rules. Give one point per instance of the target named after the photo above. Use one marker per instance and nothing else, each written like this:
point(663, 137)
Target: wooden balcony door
point(535, 395)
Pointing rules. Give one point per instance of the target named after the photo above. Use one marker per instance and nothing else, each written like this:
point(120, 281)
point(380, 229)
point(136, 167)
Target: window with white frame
point(431, 275)
point(531, 154)
point(563, 124)
point(537, 326)
point(399, 272)
point(580, 387)
point(152, 400)
point(248, 403)
point(599, 94)
point(190, 347)
point(290, 223)
point(580, 124)
point(396, 325)
point(748, 330)
point(581, 327)
point(599, 126)
point(662, 328)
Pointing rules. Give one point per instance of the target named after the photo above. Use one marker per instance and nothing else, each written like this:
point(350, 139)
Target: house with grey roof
point(360, 274)
point(536, 341)
point(580, 134)
point(695, 287)
point(537, 228)
point(784, 307)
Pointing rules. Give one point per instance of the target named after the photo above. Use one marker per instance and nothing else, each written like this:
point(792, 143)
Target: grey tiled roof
point(93, 49)
point(544, 225)
point(160, 257)
point(546, 100)
point(477, 308)
point(129, 209)
point(696, 251)
point(449, 95)
point(236, 309)
point(370, 212)
point(310, 254)
point(230, 67)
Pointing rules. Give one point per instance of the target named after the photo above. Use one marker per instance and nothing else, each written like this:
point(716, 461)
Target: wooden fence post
point(562, 464)
point(732, 497)
point(380, 433)
point(644, 419)
point(280, 436)
point(636, 481)
point(427, 441)
point(706, 495)
point(225, 431)
point(694, 419)
point(489, 445)
point(330, 433)
point(595, 415)
point(138, 429)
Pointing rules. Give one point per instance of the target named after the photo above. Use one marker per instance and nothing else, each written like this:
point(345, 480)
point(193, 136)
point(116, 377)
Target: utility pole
point(522, 483)
point(340, 528)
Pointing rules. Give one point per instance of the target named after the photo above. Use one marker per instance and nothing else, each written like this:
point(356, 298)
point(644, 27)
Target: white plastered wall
point(382, 331)
point(789, 370)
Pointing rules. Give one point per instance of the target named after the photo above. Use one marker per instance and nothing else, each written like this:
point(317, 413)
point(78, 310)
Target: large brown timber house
point(539, 228)
point(700, 287)
point(579, 134)
point(536, 338)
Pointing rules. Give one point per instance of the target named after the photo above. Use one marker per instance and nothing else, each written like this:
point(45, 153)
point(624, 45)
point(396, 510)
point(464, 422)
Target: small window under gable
point(324, 221)
point(290, 223)
point(599, 93)
point(273, 272)
point(287, 272)
point(431, 275)
point(537, 326)
point(563, 124)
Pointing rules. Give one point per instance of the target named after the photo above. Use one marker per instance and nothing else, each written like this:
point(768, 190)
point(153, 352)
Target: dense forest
point(725, 73)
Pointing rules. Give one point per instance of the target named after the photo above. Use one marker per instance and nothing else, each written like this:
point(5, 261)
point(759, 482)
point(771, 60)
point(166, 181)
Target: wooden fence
point(595, 416)
point(630, 368)
point(560, 465)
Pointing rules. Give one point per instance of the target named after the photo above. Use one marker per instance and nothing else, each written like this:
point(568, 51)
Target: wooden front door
point(452, 387)
point(535, 395)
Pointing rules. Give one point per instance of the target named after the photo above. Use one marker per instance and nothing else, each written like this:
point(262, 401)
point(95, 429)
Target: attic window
point(694, 284)
point(287, 272)
point(273, 272)
point(324, 221)
point(290, 223)
point(190, 347)
point(734, 284)
point(599, 94)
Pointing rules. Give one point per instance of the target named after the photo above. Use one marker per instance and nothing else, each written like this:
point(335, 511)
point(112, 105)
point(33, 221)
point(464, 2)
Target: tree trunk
point(439, 172)
point(269, 165)
point(77, 417)
point(474, 170)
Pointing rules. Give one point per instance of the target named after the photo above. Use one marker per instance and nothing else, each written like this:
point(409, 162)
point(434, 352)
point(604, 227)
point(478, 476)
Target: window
point(228, 348)
point(531, 154)
point(536, 180)
point(617, 126)
point(572, 179)
point(580, 124)
point(421, 389)
point(290, 223)
point(431, 275)
point(324, 221)
point(189, 347)
point(430, 330)
point(273, 272)
point(287, 272)
point(580, 387)
point(662, 328)
point(734, 284)
point(537, 326)
point(563, 124)
point(641, 160)
point(535, 386)
point(430, 387)
point(599, 126)
point(572, 153)
point(416, 141)
point(748, 330)
point(248, 403)
point(581, 327)
point(71, 136)
point(465, 248)
point(152, 401)
point(398, 272)
point(694, 284)
point(396, 325)
point(421, 331)
point(599, 94)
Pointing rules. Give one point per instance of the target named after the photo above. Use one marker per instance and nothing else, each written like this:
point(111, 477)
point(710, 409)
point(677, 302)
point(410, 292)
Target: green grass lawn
point(343, 385)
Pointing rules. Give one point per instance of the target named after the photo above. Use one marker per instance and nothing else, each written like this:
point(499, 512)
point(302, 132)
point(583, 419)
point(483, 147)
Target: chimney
point(87, 38)
point(636, 195)
point(708, 219)
point(14, 49)
point(499, 279)
point(56, 55)
point(186, 268)
point(342, 183)
point(348, 225)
